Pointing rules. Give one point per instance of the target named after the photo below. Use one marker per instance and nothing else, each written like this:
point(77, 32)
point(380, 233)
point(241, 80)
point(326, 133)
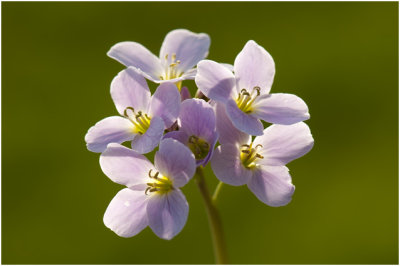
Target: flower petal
point(228, 167)
point(272, 185)
point(185, 94)
point(138, 56)
point(228, 133)
point(253, 67)
point(197, 118)
point(111, 129)
point(126, 214)
point(129, 89)
point(124, 166)
point(175, 161)
point(149, 140)
point(244, 122)
point(167, 213)
point(180, 136)
point(281, 108)
point(282, 143)
point(215, 80)
point(165, 103)
point(188, 47)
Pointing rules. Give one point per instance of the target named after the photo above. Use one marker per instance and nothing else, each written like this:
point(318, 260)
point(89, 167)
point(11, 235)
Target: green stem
point(213, 219)
point(216, 192)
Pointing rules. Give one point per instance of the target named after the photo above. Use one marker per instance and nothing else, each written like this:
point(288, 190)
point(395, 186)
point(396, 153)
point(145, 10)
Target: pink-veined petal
point(188, 47)
point(272, 185)
point(165, 103)
point(129, 89)
point(215, 80)
point(246, 123)
point(281, 108)
point(151, 138)
point(176, 161)
point(284, 143)
point(136, 55)
point(126, 214)
point(111, 129)
point(253, 67)
point(228, 167)
point(125, 166)
point(167, 213)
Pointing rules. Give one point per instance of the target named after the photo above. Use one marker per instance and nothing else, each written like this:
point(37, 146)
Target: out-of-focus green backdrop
point(341, 58)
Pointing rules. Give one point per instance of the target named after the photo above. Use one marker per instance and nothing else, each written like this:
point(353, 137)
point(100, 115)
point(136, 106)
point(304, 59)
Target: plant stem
point(213, 219)
point(216, 192)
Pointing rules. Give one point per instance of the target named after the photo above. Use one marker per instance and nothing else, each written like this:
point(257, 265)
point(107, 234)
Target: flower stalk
point(214, 219)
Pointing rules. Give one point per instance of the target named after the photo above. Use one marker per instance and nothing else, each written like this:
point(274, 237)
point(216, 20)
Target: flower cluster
point(232, 101)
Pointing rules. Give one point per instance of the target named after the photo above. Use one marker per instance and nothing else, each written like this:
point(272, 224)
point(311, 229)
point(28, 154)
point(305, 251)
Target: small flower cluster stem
point(213, 219)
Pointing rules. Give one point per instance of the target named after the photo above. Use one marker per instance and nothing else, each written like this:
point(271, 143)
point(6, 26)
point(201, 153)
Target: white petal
point(125, 166)
point(246, 123)
point(167, 213)
point(126, 214)
point(151, 138)
point(272, 185)
point(253, 67)
point(282, 143)
point(111, 129)
point(228, 167)
point(138, 56)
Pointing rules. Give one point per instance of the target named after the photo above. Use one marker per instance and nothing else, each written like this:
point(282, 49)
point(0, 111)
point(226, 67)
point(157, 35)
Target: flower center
point(245, 99)
point(199, 147)
point(171, 68)
point(140, 120)
point(249, 155)
point(161, 184)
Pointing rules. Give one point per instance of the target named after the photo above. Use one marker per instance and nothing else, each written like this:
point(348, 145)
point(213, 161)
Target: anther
point(246, 145)
point(258, 145)
point(259, 156)
point(245, 151)
point(257, 89)
point(126, 111)
point(139, 114)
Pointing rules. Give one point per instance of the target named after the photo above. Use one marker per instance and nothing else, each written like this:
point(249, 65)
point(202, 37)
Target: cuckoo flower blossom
point(260, 163)
point(246, 92)
point(152, 197)
point(144, 116)
point(180, 52)
point(197, 129)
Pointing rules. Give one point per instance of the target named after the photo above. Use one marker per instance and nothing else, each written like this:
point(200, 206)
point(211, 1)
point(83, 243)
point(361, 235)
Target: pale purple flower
point(260, 163)
point(197, 129)
point(144, 116)
point(152, 197)
point(179, 53)
point(246, 92)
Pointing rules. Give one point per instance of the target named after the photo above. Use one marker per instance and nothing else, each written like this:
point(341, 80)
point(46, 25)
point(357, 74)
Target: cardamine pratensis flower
point(152, 197)
point(144, 116)
point(246, 92)
point(197, 129)
point(260, 163)
point(180, 52)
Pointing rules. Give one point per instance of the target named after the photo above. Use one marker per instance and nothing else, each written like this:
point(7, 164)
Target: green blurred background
point(341, 58)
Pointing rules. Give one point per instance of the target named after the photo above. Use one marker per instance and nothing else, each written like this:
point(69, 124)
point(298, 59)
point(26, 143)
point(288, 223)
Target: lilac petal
point(167, 213)
point(126, 214)
point(149, 140)
point(228, 133)
point(213, 141)
point(228, 167)
point(175, 161)
point(282, 143)
point(253, 67)
point(180, 136)
point(197, 118)
point(281, 108)
point(111, 129)
point(185, 94)
point(129, 89)
point(188, 47)
point(138, 56)
point(244, 122)
point(165, 103)
point(189, 74)
point(272, 185)
point(124, 166)
point(215, 80)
